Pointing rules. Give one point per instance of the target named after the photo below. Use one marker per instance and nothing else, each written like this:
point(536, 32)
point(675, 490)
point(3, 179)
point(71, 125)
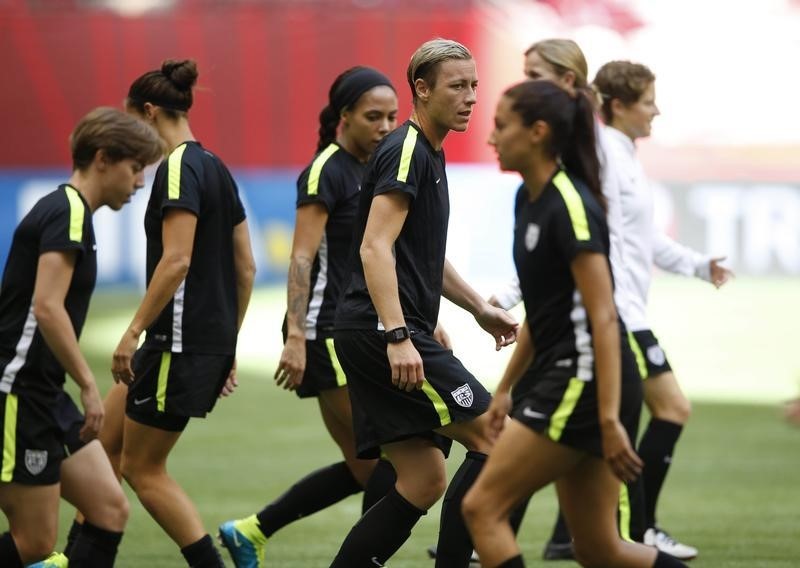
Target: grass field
point(733, 490)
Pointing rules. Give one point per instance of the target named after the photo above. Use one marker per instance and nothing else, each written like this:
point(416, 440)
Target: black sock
point(516, 516)
point(636, 500)
point(316, 491)
point(379, 533)
point(561, 531)
point(455, 545)
point(664, 560)
point(9, 556)
point(203, 554)
point(94, 547)
point(379, 483)
point(655, 449)
point(74, 530)
point(515, 562)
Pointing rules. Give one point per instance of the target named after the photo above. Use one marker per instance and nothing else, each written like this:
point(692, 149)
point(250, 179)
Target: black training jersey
point(549, 233)
point(404, 161)
point(333, 179)
point(60, 221)
point(202, 315)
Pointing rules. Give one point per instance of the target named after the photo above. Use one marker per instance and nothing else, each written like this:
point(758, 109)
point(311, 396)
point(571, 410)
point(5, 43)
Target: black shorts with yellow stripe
point(650, 357)
point(169, 388)
point(37, 436)
point(382, 413)
point(557, 404)
point(323, 370)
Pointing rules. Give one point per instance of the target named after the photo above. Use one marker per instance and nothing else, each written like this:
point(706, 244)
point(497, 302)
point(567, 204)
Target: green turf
point(732, 492)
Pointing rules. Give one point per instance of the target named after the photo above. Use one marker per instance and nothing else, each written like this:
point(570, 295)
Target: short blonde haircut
point(425, 62)
point(563, 55)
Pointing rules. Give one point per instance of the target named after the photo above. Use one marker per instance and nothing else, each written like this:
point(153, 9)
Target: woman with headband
point(361, 110)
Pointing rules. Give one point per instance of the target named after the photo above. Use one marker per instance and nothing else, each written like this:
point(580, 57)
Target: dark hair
point(169, 87)
point(621, 80)
point(344, 94)
point(119, 135)
point(571, 122)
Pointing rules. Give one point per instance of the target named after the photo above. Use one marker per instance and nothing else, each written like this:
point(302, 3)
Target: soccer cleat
point(654, 536)
point(55, 560)
point(473, 560)
point(245, 542)
point(558, 551)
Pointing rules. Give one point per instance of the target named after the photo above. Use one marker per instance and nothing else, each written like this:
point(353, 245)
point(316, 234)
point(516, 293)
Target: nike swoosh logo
point(533, 413)
point(376, 562)
point(138, 402)
point(438, 180)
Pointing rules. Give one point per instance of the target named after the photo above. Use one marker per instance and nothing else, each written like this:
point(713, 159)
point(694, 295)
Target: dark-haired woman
point(361, 110)
point(200, 273)
point(575, 424)
point(47, 447)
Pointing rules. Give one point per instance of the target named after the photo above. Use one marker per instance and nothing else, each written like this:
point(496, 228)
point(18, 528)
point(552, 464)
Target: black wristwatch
point(396, 335)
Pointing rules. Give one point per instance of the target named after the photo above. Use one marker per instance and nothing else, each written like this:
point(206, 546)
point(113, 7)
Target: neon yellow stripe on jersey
point(405, 155)
point(624, 513)
point(9, 438)
point(174, 172)
point(341, 378)
point(564, 410)
point(438, 403)
point(316, 168)
point(76, 212)
point(163, 375)
point(572, 198)
point(637, 352)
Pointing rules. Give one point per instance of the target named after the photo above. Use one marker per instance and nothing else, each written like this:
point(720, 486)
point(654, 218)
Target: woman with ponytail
point(575, 424)
point(361, 110)
point(200, 273)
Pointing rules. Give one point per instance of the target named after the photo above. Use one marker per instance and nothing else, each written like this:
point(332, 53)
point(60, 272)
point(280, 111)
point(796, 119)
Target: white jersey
point(635, 243)
point(642, 244)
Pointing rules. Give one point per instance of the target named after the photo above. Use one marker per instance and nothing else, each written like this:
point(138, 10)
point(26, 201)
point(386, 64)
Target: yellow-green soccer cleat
point(55, 560)
point(245, 542)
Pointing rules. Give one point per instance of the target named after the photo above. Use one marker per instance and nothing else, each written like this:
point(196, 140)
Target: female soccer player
point(362, 107)
point(583, 400)
point(404, 385)
point(200, 273)
point(628, 109)
point(48, 281)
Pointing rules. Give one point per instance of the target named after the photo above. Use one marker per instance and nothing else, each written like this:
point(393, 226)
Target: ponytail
point(580, 153)
point(328, 121)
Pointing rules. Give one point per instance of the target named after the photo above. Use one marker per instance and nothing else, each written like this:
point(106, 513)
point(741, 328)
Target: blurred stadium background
point(724, 156)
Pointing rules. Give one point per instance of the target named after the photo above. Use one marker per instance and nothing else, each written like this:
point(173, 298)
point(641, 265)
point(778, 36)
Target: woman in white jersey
point(628, 109)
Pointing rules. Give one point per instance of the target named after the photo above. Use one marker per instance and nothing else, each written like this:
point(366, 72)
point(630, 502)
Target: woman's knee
point(423, 489)
point(35, 545)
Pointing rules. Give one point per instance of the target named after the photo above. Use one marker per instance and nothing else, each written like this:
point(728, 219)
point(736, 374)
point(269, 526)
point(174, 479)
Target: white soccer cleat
point(665, 543)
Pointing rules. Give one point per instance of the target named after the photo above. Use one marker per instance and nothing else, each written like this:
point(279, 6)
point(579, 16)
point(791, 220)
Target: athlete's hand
point(93, 412)
point(292, 365)
point(121, 368)
point(498, 413)
point(441, 336)
point(230, 383)
point(499, 323)
point(406, 363)
point(618, 452)
point(719, 274)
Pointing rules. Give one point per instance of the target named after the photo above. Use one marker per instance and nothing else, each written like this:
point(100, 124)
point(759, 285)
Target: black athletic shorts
point(323, 371)
point(170, 387)
point(650, 358)
point(32, 441)
point(383, 413)
point(556, 404)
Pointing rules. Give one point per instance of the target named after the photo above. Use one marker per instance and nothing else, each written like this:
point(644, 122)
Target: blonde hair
point(563, 55)
point(425, 62)
point(119, 135)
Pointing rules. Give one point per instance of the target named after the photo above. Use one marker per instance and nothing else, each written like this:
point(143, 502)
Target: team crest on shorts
point(463, 396)
point(656, 355)
point(532, 236)
point(35, 461)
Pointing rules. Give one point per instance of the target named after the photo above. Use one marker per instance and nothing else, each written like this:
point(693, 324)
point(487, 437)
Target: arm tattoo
point(298, 285)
